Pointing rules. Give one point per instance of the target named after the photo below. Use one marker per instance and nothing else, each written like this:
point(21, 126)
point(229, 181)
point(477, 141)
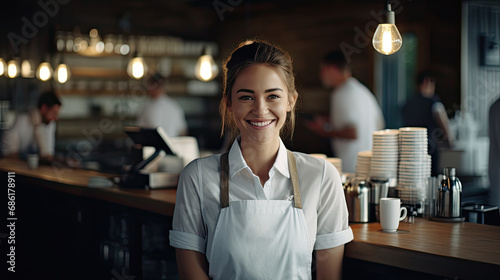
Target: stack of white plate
point(385, 150)
point(337, 162)
point(414, 164)
point(363, 162)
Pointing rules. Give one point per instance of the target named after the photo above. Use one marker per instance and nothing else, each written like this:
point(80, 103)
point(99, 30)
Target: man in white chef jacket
point(34, 132)
point(354, 112)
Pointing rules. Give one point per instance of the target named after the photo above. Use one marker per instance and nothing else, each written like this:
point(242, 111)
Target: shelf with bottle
point(107, 75)
point(135, 54)
point(96, 44)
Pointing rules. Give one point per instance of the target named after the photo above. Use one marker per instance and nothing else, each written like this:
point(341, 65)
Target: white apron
point(260, 239)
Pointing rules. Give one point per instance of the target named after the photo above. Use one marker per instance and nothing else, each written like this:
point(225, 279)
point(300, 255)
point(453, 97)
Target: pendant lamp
point(206, 69)
point(387, 39)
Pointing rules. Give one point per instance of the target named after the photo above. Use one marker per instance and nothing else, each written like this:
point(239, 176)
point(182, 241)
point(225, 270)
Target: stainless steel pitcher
point(357, 194)
point(379, 188)
point(449, 195)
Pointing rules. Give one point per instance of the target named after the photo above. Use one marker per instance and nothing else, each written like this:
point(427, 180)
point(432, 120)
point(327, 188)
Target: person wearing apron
point(259, 211)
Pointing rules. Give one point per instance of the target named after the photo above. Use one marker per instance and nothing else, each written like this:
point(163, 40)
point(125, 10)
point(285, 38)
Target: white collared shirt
point(29, 135)
point(197, 205)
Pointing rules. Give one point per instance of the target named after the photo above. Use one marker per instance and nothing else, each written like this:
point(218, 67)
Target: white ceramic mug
point(32, 161)
point(391, 213)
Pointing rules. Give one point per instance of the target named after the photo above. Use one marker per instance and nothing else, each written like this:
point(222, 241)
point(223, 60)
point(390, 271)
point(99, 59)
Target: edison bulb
point(12, 69)
point(387, 39)
point(137, 68)
point(44, 71)
point(205, 68)
point(27, 69)
point(62, 73)
point(2, 67)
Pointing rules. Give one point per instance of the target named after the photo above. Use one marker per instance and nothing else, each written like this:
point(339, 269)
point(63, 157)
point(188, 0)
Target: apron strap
point(224, 180)
point(292, 167)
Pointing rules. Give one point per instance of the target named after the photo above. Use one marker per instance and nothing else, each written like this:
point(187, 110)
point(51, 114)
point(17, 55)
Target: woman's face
point(259, 103)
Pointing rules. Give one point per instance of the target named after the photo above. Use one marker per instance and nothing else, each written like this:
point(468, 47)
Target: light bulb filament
point(387, 41)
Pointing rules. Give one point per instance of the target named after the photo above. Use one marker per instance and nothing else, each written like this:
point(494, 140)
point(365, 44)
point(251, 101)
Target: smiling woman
point(259, 105)
point(263, 54)
point(259, 211)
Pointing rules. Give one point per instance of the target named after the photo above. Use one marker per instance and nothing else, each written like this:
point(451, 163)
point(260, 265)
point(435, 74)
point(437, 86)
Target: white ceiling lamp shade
point(206, 69)
point(137, 67)
point(387, 39)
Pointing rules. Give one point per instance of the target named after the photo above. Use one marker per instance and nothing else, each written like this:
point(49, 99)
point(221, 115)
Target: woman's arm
point(329, 263)
point(191, 264)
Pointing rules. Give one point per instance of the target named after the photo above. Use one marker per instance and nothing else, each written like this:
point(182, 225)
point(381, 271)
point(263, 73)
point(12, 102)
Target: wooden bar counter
point(452, 250)
point(75, 181)
point(447, 250)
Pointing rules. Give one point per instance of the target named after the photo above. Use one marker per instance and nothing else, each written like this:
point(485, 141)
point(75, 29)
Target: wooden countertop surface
point(464, 250)
point(75, 181)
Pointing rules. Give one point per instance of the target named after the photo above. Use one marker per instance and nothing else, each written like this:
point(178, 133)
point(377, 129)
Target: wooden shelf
point(95, 72)
point(101, 92)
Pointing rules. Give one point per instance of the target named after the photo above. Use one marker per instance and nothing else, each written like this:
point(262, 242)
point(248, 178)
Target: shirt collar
point(238, 163)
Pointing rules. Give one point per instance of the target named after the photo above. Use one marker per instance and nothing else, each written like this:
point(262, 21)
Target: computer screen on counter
point(152, 137)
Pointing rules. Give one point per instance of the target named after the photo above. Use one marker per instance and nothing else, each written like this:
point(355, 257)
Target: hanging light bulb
point(12, 68)
point(27, 69)
point(44, 71)
point(3, 66)
point(62, 73)
point(206, 69)
point(137, 67)
point(387, 39)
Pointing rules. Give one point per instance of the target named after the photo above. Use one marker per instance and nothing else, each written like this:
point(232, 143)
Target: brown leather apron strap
point(292, 167)
point(224, 180)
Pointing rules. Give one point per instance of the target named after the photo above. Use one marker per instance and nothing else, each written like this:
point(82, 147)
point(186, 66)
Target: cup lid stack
point(414, 164)
point(363, 162)
point(385, 151)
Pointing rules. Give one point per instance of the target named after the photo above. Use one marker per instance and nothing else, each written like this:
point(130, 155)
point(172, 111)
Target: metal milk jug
point(449, 195)
point(357, 194)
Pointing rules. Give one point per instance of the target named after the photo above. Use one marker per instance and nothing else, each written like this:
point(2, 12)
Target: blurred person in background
point(425, 109)
point(34, 132)
point(161, 110)
point(354, 111)
point(494, 157)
